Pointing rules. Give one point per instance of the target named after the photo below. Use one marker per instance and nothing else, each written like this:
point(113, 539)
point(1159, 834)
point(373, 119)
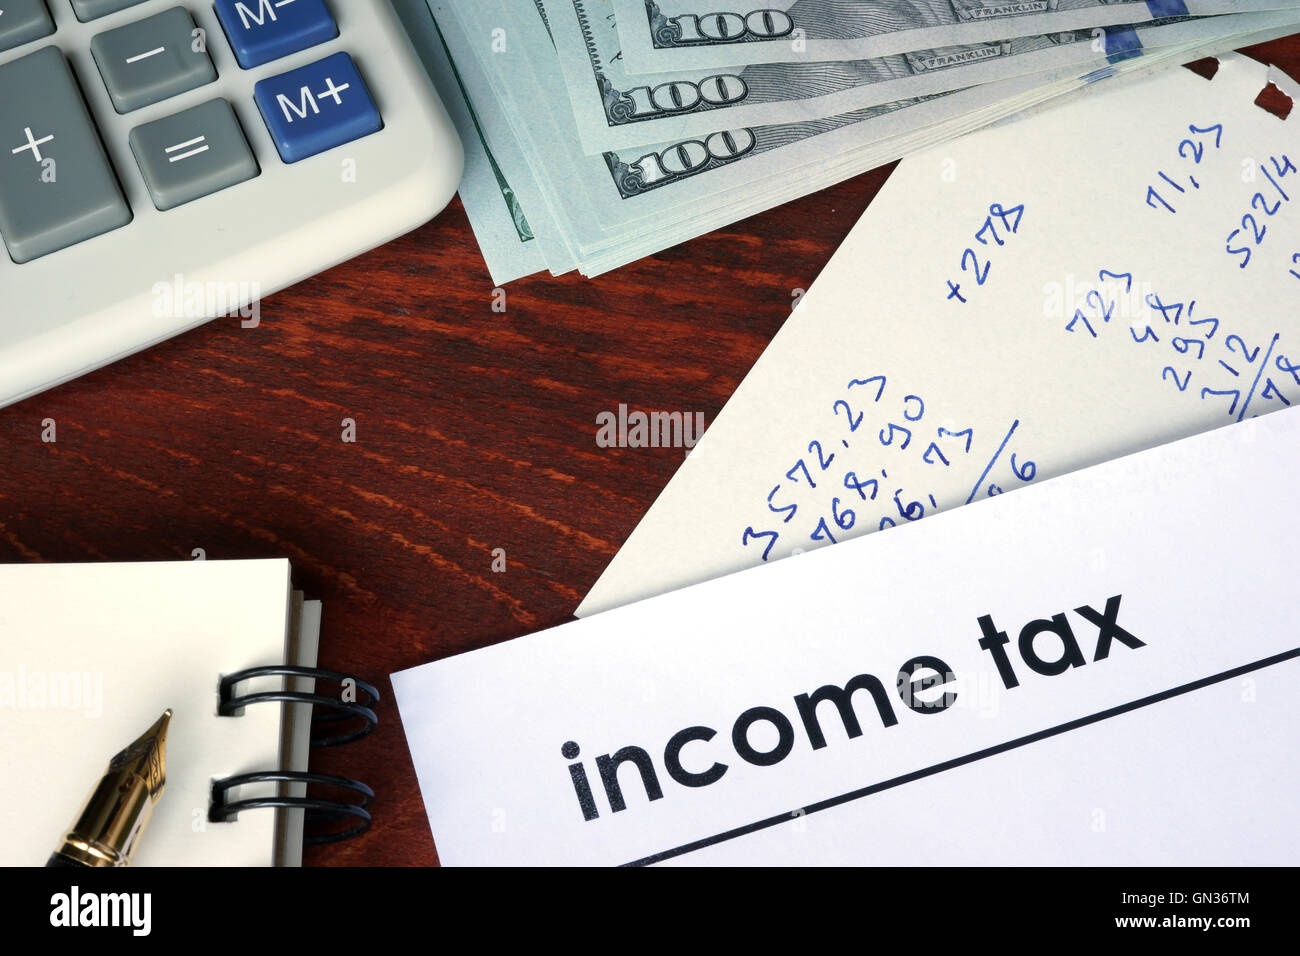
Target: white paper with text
point(1121, 643)
point(1051, 293)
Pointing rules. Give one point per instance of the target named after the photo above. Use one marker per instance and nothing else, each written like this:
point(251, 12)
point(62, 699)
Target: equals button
point(192, 147)
point(193, 154)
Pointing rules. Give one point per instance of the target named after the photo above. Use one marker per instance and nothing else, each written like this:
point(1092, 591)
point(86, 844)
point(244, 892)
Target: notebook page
point(1082, 283)
point(1099, 669)
point(92, 654)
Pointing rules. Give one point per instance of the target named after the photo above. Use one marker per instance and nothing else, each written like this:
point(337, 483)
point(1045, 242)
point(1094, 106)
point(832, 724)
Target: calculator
point(163, 163)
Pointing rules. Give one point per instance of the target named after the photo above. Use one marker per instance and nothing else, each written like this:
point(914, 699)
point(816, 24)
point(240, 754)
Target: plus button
point(33, 144)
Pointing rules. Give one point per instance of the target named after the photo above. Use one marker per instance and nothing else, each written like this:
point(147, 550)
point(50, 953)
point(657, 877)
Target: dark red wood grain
point(475, 430)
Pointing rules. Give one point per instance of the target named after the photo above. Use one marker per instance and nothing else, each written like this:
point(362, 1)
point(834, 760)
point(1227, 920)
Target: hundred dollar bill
point(660, 36)
point(686, 180)
point(803, 142)
point(505, 237)
point(626, 204)
point(616, 109)
point(674, 191)
point(508, 187)
point(479, 52)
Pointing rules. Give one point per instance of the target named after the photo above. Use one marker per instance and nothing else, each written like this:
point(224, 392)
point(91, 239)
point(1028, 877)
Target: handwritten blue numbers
point(853, 483)
point(976, 260)
point(1170, 188)
point(1096, 307)
point(887, 437)
point(789, 510)
point(751, 535)
point(836, 489)
point(968, 434)
point(848, 413)
point(793, 473)
point(1284, 364)
point(1264, 205)
point(877, 380)
point(1170, 373)
point(933, 452)
point(844, 521)
point(1025, 472)
point(1224, 371)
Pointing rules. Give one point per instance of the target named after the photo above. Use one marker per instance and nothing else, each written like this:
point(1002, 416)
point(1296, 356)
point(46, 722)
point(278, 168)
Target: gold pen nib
point(147, 757)
point(109, 826)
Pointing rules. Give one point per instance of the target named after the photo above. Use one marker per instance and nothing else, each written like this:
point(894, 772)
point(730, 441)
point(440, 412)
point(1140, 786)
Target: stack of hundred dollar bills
point(598, 132)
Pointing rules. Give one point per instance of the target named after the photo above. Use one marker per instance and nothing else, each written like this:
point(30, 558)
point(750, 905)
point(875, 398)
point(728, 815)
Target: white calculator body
point(164, 162)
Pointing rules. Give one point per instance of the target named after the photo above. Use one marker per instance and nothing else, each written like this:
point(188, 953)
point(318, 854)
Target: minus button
point(144, 56)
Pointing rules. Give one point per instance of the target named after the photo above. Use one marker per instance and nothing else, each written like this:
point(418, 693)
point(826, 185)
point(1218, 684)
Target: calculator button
point(94, 9)
point(22, 21)
point(56, 185)
point(193, 154)
point(152, 59)
point(264, 30)
point(317, 107)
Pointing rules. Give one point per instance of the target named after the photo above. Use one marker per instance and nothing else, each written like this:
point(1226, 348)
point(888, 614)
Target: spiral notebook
point(90, 654)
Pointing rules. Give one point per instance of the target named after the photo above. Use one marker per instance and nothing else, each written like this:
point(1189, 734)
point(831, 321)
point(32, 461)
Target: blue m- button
point(264, 30)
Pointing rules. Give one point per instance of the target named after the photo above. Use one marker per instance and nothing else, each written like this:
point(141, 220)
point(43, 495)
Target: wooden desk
point(475, 430)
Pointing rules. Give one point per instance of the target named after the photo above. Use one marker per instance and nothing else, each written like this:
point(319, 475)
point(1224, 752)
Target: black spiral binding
point(331, 820)
point(337, 708)
point(320, 812)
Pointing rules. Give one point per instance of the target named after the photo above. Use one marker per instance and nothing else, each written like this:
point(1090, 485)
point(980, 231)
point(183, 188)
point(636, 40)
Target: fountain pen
point(107, 831)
